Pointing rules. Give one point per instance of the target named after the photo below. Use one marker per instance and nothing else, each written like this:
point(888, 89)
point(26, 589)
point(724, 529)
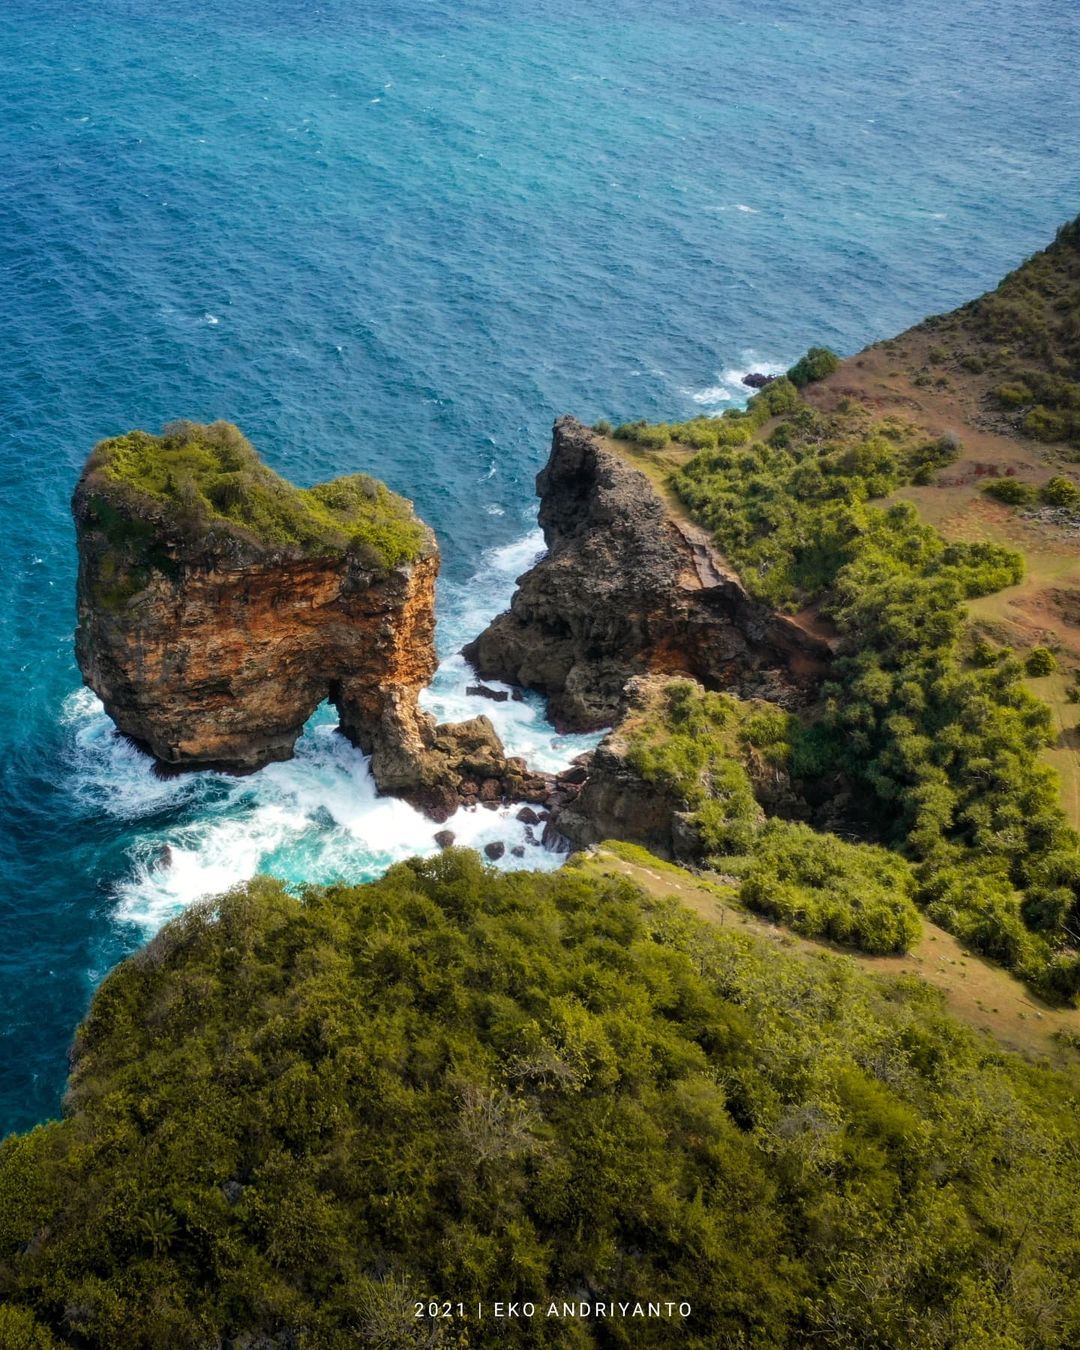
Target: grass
point(977, 992)
point(212, 474)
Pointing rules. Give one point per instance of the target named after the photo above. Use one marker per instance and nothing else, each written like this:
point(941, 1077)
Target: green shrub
point(1011, 491)
point(781, 396)
point(1040, 661)
point(1043, 425)
point(815, 365)
point(1013, 395)
point(1060, 491)
point(823, 887)
point(690, 743)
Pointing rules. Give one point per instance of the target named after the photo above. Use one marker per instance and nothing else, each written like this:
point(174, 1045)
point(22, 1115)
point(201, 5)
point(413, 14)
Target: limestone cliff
point(628, 587)
point(218, 606)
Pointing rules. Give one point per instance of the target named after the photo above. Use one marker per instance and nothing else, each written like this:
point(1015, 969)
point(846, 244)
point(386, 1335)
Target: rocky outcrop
point(439, 767)
point(628, 587)
point(218, 606)
point(613, 800)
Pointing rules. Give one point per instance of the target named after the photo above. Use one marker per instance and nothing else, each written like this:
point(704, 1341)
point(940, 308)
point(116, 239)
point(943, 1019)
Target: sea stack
point(218, 605)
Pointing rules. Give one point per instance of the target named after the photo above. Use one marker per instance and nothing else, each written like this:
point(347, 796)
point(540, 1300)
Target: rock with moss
point(219, 605)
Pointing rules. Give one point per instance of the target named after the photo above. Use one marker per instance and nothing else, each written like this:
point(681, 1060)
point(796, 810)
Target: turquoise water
point(402, 238)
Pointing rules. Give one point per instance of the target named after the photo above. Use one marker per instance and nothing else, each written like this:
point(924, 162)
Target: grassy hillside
point(848, 490)
point(289, 1119)
point(1023, 341)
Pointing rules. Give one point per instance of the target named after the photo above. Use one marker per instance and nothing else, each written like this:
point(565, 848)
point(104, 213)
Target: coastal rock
point(482, 691)
point(616, 802)
point(627, 587)
point(756, 380)
point(218, 606)
point(495, 850)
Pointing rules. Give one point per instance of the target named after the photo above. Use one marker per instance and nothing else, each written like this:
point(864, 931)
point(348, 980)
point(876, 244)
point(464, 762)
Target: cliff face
point(219, 661)
point(212, 636)
point(626, 588)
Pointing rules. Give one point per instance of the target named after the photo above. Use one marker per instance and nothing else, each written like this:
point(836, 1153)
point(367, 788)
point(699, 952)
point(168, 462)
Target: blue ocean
point(402, 237)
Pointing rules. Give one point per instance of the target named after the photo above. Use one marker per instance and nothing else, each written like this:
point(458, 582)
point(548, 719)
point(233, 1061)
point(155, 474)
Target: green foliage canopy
point(212, 475)
point(949, 753)
point(288, 1118)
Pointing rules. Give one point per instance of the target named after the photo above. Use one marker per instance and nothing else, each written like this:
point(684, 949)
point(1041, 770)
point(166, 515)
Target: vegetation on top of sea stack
point(211, 476)
point(290, 1120)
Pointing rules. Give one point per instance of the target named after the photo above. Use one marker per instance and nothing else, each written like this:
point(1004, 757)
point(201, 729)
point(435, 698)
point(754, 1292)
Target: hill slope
point(291, 1119)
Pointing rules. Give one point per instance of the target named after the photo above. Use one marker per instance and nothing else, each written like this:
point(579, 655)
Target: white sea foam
point(729, 390)
point(317, 817)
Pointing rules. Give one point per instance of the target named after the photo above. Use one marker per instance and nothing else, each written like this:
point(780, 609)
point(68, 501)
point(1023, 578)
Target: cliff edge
point(628, 588)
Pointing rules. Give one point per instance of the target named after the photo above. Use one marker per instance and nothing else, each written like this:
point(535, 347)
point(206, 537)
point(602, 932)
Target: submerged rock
point(482, 691)
point(629, 587)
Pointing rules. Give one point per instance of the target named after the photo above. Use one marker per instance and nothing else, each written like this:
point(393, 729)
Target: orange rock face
point(211, 647)
point(220, 655)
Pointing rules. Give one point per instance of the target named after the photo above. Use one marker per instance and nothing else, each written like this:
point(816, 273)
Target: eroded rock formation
point(218, 606)
point(627, 588)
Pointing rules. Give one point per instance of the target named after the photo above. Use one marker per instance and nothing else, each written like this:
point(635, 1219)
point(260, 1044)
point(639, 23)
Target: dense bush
point(1060, 491)
point(1040, 661)
point(691, 743)
point(1011, 491)
point(703, 748)
point(815, 365)
point(823, 887)
point(289, 1119)
point(208, 475)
